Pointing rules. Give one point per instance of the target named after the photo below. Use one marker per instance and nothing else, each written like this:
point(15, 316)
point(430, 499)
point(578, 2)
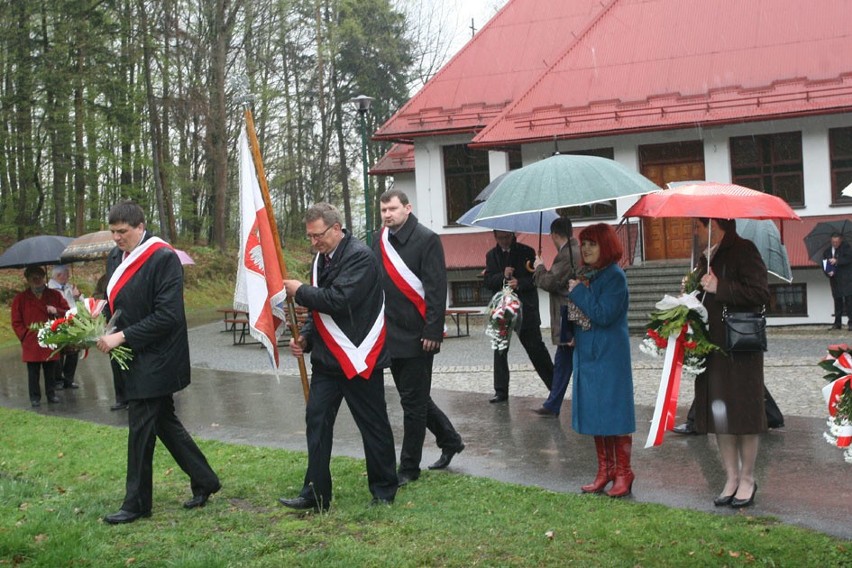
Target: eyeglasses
point(318, 236)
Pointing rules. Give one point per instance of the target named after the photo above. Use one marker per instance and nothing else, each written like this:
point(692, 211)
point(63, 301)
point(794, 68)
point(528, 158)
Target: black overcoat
point(841, 282)
point(350, 291)
point(154, 324)
point(729, 395)
point(422, 252)
point(518, 256)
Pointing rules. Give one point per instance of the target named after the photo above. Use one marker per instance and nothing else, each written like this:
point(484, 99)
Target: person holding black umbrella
point(37, 304)
point(837, 264)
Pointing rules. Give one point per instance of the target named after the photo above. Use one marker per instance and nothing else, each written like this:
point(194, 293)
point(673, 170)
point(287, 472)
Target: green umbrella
point(766, 237)
point(563, 180)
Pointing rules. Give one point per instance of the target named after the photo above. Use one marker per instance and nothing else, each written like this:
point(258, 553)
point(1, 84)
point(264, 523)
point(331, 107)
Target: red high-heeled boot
point(606, 466)
point(623, 484)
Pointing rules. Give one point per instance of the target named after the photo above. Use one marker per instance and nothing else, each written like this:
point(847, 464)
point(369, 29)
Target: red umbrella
point(714, 200)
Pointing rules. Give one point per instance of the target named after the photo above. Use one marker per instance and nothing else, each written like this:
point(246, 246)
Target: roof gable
point(661, 64)
point(498, 64)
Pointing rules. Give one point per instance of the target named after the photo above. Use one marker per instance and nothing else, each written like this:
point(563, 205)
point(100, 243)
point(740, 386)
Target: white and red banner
point(666, 405)
point(354, 360)
point(130, 265)
point(402, 276)
point(260, 286)
point(831, 393)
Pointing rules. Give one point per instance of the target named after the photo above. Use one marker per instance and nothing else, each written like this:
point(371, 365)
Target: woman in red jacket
point(37, 304)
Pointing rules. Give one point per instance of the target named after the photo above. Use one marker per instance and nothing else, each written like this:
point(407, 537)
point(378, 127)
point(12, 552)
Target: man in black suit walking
point(345, 335)
point(511, 264)
point(414, 278)
point(146, 284)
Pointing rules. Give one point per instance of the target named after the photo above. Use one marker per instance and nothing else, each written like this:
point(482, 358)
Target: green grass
point(58, 477)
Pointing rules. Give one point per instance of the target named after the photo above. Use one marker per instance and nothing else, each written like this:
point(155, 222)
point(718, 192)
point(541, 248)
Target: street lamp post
point(362, 105)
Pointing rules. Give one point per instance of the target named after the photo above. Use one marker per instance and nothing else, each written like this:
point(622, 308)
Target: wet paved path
point(235, 398)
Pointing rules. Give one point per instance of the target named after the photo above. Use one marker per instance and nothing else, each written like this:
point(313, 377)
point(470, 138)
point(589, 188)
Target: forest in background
point(102, 100)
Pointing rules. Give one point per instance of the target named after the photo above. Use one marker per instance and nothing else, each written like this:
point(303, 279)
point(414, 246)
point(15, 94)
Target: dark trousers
point(33, 376)
point(539, 357)
point(413, 379)
point(153, 418)
point(563, 366)
point(118, 383)
point(67, 367)
point(366, 402)
point(839, 303)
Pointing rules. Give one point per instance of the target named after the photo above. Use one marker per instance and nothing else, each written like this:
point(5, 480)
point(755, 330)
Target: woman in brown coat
point(729, 394)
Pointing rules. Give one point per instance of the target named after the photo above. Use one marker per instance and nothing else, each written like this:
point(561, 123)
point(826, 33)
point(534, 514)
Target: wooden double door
point(669, 239)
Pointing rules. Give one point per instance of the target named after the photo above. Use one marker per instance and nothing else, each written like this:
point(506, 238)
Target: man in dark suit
point(414, 278)
point(345, 335)
point(146, 285)
point(510, 263)
point(838, 268)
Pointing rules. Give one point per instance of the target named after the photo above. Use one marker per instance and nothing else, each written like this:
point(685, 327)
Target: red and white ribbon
point(354, 360)
point(831, 393)
point(402, 276)
point(128, 268)
point(665, 408)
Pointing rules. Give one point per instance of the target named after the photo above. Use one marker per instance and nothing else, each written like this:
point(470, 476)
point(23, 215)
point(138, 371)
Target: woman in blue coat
point(602, 404)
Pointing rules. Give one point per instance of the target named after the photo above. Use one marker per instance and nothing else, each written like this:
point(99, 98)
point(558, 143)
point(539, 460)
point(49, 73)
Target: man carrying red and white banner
point(415, 284)
point(345, 335)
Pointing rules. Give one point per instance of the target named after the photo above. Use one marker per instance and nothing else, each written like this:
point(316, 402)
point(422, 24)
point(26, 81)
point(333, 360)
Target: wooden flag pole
point(267, 202)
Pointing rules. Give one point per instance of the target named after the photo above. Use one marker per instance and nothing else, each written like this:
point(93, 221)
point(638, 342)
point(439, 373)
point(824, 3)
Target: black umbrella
point(820, 237)
point(40, 250)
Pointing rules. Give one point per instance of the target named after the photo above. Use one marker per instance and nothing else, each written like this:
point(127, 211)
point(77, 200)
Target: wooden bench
point(456, 315)
point(232, 317)
point(239, 326)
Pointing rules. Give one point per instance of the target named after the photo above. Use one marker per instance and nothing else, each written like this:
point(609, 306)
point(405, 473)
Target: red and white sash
point(131, 265)
point(402, 276)
point(354, 360)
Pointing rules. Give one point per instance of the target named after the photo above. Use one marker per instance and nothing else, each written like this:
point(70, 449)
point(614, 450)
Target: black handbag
point(744, 331)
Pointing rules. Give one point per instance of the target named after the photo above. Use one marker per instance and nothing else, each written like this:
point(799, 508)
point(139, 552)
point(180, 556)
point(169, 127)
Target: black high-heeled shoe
point(740, 503)
point(724, 500)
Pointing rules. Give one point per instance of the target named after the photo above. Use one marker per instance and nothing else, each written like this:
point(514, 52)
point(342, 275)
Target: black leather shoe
point(723, 500)
point(72, 385)
point(740, 503)
point(498, 398)
point(35, 403)
point(379, 501)
point(835, 326)
point(405, 479)
point(542, 411)
point(124, 517)
point(446, 458)
point(685, 428)
point(59, 386)
point(301, 504)
point(201, 499)
point(53, 399)
point(119, 406)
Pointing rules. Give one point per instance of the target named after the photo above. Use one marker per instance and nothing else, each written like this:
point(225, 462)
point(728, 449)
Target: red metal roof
point(793, 234)
point(467, 250)
point(497, 65)
point(399, 159)
point(663, 64)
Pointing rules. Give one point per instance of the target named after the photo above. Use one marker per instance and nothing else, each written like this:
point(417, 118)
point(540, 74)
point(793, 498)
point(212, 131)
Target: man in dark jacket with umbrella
point(838, 267)
point(146, 286)
point(345, 335)
point(510, 263)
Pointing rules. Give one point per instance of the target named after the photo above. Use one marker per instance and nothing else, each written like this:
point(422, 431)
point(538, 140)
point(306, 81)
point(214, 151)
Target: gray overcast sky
point(480, 10)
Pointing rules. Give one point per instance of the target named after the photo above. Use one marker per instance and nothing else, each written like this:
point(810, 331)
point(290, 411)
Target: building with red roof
point(745, 91)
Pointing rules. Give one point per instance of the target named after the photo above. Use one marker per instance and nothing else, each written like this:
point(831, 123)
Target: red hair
point(608, 241)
